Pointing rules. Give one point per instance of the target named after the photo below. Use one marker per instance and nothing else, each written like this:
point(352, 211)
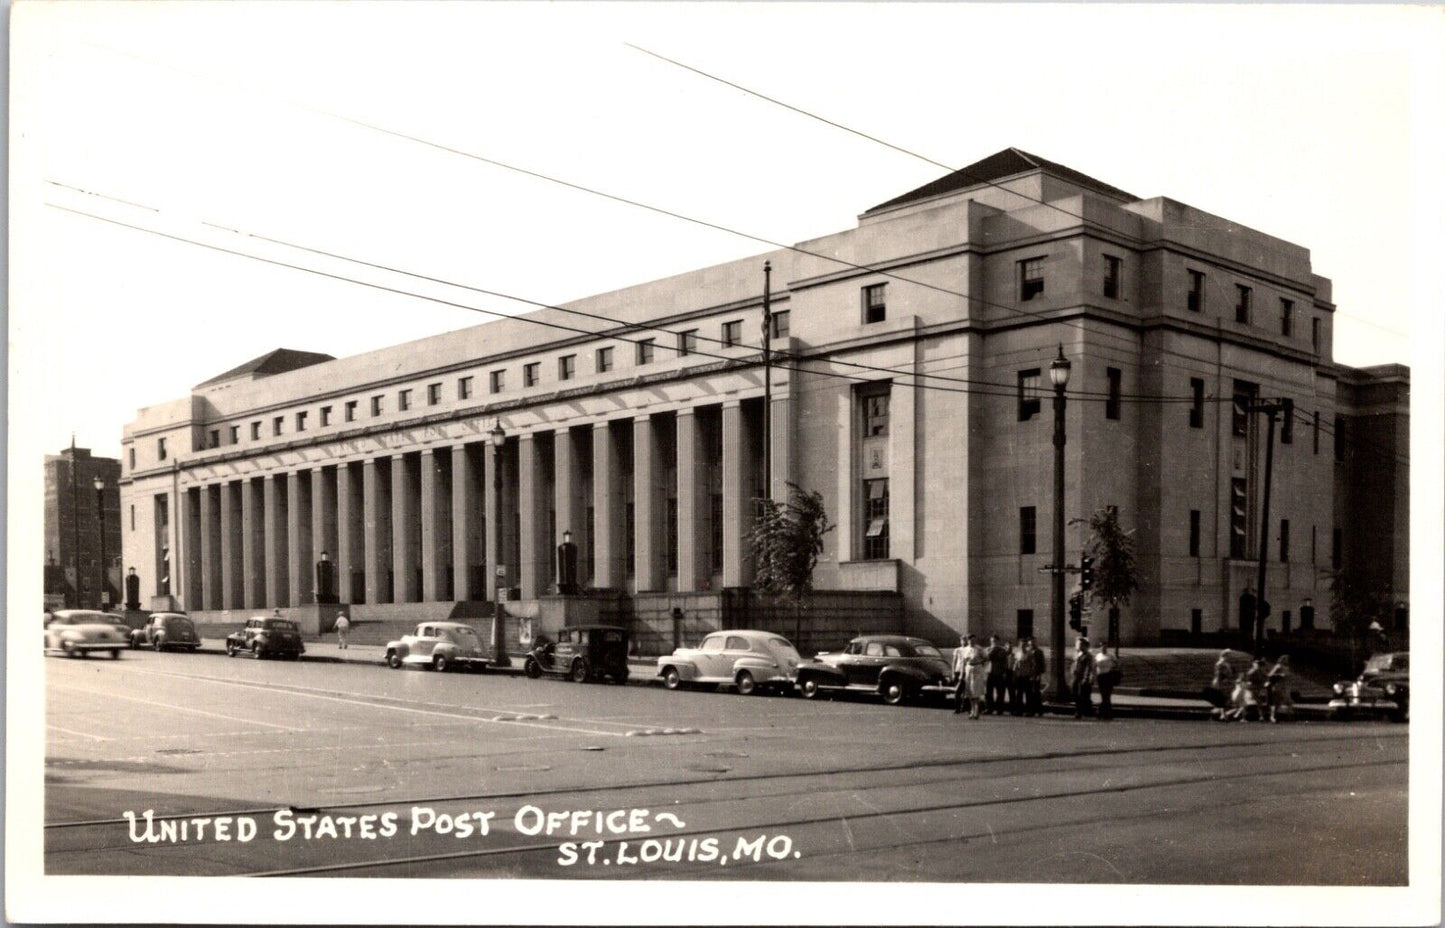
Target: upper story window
point(732, 333)
point(1286, 317)
point(1243, 304)
point(325, 416)
point(567, 367)
point(256, 430)
point(433, 394)
point(277, 424)
point(403, 400)
point(235, 434)
point(782, 322)
point(1196, 291)
point(687, 342)
point(1196, 403)
point(531, 373)
point(1317, 431)
point(215, 438)
point(875, 414)
point(1113, 404)
point(1286, 427)
point(1315, 334)
point(1031, 278)
point(301, 421)
point(160, 449)
point(1112, 269)
point(604, 360)
point(1028, 530)
point(1244, 394)
point(875, 303)
point(464, 388)
point(1030, 402)
point(646, 348)
point(376, 406)
point(497, 381)
point(350, 411)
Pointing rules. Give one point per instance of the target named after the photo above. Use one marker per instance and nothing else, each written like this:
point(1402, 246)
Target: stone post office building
point(910, 388)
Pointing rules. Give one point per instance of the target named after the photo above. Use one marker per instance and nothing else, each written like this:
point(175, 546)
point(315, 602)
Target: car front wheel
point(747, 686)
point(579, 672)
point(156, 645)
point(256, 650)
point(810, 688)
point(393, 660)
point(532, 668)
point(440, 663)
point(230, 649)
point(672, 679)
point(895, 692)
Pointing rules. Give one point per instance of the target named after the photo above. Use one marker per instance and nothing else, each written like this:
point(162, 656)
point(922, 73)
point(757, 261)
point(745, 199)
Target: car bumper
point(1383, 704)
point(91, 645)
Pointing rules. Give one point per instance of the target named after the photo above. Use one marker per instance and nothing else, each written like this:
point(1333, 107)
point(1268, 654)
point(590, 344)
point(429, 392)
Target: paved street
point(399, 773)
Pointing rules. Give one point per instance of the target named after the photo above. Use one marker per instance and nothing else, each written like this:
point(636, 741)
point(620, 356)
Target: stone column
point(350, 523)
point(691, 503)
point(323, 523)
point(376, 540)
point(253, 583)
point(608, 557)
point(300, 553)
point(436, 517)
point(276, 560)
point(737, 508)
point(566, 488)
point(404, 540)
point(649, 512)
point(232, 573)
point(210, 593)
point(535, 535)
point(492, 463)
point(782, 446)
point(466, 540)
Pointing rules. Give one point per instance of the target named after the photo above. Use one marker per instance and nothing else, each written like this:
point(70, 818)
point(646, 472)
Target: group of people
point(996, 678)
point(1256, 691)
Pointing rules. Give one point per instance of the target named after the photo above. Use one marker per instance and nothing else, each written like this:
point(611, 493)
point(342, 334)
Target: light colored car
point(77, 632)
point(749, 660)
point(441, 646)
point(167, 630)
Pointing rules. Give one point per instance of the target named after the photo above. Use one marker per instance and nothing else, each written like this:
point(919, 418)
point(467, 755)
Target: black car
point(166, 630)
point(267, 637)
point(896, 667)
point(584, 653)
point(1382, 689)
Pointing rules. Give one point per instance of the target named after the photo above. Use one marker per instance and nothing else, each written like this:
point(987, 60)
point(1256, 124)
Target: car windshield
point(785, 647)
point(281, 625)
point(926, 650)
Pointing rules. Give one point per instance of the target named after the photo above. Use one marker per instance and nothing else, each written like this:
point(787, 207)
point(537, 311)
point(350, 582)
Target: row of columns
point(415, 525)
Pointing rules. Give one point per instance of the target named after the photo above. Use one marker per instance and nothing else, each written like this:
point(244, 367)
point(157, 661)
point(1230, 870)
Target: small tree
point(1116, 576)
point(1354, 607)
point(786, 540)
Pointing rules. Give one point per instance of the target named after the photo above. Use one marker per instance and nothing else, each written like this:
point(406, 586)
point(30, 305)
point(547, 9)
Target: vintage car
point(750, 660)
point(441, 646)
point(77, 632)
point(1382, 689)
point(166, 630)
point(267, 636)
point(584, 653)
point(895, 667)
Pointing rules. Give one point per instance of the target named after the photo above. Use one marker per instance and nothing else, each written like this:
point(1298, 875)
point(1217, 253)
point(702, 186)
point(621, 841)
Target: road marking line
point(80, 734)
point(163, 705)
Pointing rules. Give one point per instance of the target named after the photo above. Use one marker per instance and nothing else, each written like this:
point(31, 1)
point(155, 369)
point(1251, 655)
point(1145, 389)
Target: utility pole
point(1059, 377)
point(75, 523)
point(1261, 607)
point(767, 380)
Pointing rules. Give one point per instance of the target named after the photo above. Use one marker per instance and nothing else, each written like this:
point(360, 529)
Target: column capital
point(687, 411)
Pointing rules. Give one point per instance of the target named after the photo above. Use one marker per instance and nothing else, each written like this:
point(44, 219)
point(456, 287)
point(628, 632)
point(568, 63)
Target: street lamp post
point(499, 649)
point(100, 512)
point(1059, 377)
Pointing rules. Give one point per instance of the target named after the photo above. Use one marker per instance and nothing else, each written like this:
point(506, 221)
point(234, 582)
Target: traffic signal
point(1086, 573)
point(1076, 612)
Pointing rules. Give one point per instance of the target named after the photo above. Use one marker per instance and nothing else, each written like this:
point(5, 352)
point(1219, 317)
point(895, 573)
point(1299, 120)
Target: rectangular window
point(875, 303)
point(1024, 627)
point(433, 394)
point(567, 367)
point(781, 324)
point(1238, 518)
point(1112, 267)
point(875, 414)
point(1031, 279)
point(350, 411)
point(732, 333)
point(301, 421)
point(464, 388)
point(1242, 304)
point(132, 458)
point(1284, 541)
point(1336, 546)
point(1028, 530)
point(646, 349)
point(1194, 533)
point(1030, 404)
point(1196, 622)
point(215, 438)
point(1244, 394)
point(160, 449)
point(325, 416)
point(1315, 334)
point(132, 516)
point(1286, 317)
point(1196, 403)
point(277, 424)
point(1286, 424)
point(1113, 403)
point(235, 435)
point(875, 519)
point(256, 431)
point(498, 381)
point(686, 342)
point(531, 373)
point(1317, 431)
point(375, 406)
point(403, 400)
point(1196, 291)
point(604, 360)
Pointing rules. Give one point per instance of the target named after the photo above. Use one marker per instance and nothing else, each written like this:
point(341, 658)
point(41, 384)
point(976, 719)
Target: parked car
point(750, 660)
point(895, 667)
point(166, 630)
point(266, 636)
point(584, 653)
point(1383, 688)
point(77, 632)
point(440, 645)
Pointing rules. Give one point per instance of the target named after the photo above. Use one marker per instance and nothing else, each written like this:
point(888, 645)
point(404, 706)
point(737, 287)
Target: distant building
point(910, 388)
point(73, 530)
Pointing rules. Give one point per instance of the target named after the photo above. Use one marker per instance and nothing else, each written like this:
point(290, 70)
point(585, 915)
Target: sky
point(1302, 122)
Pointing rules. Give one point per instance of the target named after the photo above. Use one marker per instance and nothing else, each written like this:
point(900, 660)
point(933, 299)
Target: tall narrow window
point(732, 333)
point(604, 360)
point(235, 435)
point(1024, 627)
point(132, 458)
point(875, 305)
point(215, 438)
point(277, 424)
point(1196, 291)
point(875, 414)
point(567, 367)
point(1114, 402)
point(781, 323)
point(498, 381)
point(687, 342)
point(1196, 622)
point(1194, 533)
point(1238, 518)
point(350, 411)
point(531, 373)
point(325, 416)
point(132, 515)
point(1031, 279)
point(1030, 404)
point(375, 406)
point(1286, 317)
point(1244, 394)
point(1112, 267)
point(256, 430)
point(433, 394)
point(1196, 403)
point(1028, 530)
point(1284, 541)
point(1242, 304)
point(160, 449)
point(464, 388)
point(1286, 425)
point(301, 421)
point(875, 519)
point(1315, 334)
point(403, 400)
point(1317, 431)
point(646, 348)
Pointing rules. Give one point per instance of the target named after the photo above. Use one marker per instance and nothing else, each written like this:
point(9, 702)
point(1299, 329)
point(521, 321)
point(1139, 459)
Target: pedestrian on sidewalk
point(997, 684)
point(1277, 689)
point(1081, 680)
point(1038, 667)
point(1218, 691)
point(970, 668)
point(1106, 672)
point(1019, 664)
point(343, 625)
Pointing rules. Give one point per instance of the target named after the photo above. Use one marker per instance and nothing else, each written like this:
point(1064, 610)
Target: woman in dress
point(970, 668)
point(1278, 689)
